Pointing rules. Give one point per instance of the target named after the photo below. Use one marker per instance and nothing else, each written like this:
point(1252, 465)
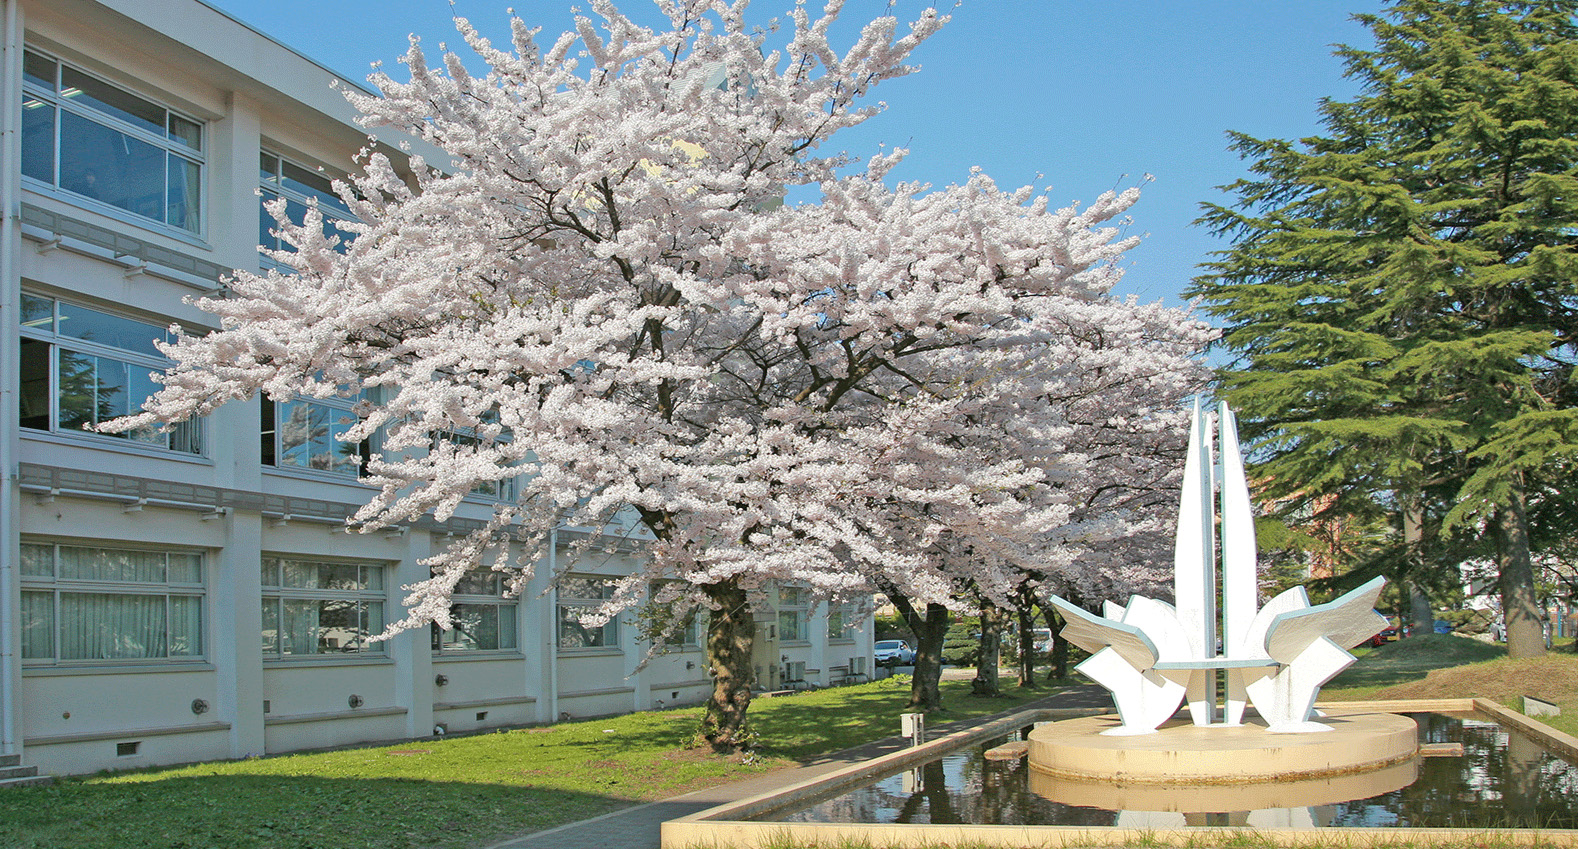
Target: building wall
point(73, 496)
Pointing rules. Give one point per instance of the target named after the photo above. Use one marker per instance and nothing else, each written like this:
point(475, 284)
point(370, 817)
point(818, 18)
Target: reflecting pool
point(1501, 779)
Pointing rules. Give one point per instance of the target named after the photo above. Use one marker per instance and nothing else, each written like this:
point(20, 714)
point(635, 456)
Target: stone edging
point(729, 825)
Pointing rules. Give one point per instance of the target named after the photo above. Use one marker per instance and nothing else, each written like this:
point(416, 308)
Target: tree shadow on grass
point(283, 812)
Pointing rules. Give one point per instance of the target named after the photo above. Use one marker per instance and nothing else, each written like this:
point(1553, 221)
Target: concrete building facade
point(193, 595)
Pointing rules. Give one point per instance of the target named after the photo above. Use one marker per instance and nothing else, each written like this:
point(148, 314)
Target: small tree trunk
point(731, 629)
point(1419, 610)
point(1525, 637)
point(986, 668)
point(1059, 669)
point(1027, 643)
point(929, 630)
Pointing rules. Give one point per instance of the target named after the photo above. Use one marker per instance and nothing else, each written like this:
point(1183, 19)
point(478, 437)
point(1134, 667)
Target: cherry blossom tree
point(604, 291)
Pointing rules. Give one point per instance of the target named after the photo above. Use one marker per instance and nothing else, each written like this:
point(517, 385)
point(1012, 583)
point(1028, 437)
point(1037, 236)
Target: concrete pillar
point(412, 651)
point(236, 626)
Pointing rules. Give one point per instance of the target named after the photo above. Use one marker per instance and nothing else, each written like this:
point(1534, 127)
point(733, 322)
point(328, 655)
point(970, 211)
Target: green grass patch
point(1408, 659)
point(453, 793)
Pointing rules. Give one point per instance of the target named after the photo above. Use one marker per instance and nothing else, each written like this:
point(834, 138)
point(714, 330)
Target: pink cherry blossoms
point(603, 290)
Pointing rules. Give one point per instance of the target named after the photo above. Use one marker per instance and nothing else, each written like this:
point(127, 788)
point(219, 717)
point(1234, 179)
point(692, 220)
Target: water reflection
point(1502, 779)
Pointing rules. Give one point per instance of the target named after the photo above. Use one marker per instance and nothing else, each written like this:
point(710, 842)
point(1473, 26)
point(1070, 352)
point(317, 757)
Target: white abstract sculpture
point(1152, 655)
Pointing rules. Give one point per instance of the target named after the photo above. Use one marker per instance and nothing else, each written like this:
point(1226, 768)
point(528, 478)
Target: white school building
point(194, 595)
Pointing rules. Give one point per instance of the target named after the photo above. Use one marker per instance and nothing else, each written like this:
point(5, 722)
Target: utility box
point(913, 727)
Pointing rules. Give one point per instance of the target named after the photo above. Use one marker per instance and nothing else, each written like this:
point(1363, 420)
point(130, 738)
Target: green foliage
point(961, 646)
point(1399, 294)
point(892, 627)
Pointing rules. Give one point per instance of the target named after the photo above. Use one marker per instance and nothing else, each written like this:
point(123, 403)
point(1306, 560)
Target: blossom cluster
point(899, 385)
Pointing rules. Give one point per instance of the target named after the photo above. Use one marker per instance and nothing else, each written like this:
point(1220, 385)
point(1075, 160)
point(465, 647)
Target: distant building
point(193, 595)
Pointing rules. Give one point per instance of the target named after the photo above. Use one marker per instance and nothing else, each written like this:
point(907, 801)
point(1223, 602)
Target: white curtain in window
point(38, 625)
point(96, 626)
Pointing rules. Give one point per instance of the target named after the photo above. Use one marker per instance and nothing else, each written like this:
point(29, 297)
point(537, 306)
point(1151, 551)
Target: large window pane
point(186, 626)
point(189, 133)
point(104, 626)
point(109, 564)
point(34, 393)
point(82, 89)
point(300, 573)
point(80, 322)
point(38, 70)
point(103, 142)
point(574, 635)
point(317, 186)
point(110, 166)
point(38, 625)
point(339, 576)
point(38, 139)
point(340, 626)
point(90, 603)
point(299, 628)
point(38, 560)
point(185, 568)
point(271, 626)
point(507, 629)
point(38, 313)
point(473, 627)
point(185, 194)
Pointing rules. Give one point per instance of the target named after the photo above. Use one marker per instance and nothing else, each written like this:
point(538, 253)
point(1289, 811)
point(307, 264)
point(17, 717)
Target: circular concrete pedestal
point(1181, 753)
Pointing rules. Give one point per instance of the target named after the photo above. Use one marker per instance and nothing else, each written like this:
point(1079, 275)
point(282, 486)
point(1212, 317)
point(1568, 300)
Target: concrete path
point(638, 827)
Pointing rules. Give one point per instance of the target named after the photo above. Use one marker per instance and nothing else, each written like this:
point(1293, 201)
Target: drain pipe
point(10, 289)
point(552, 696)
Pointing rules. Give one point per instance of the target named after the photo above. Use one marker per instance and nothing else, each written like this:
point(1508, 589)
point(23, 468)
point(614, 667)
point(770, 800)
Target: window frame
point(491, 596)
point(278, 594)
point(62, 104)
point(272, 449)
point(193, 430)
point(275, 187)
point(611, 640)
point(847, 615)
point(55, 585)
point(798, 610)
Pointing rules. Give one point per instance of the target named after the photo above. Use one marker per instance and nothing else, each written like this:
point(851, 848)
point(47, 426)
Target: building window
point(841, 621)
point(81, 366)
point(96, 140)
point(303, 434)
point(282, 178)
point(321, 608)
point(87, 603)
point(793, 604)
point(579, 595)
point(481, 619)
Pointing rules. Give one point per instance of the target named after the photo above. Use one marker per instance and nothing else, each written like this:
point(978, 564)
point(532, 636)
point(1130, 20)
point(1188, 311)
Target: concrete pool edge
point(729, 825)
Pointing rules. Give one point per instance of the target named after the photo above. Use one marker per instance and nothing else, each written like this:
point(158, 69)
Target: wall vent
point(123, 750)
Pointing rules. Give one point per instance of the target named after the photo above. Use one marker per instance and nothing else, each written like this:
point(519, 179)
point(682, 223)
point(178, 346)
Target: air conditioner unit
point(857, 666)
point(794, 671)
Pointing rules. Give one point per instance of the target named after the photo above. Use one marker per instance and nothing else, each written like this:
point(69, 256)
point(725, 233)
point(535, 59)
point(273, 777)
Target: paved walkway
point(638, 827)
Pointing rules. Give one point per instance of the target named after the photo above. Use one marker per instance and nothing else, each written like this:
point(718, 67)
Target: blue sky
point(1075, 95)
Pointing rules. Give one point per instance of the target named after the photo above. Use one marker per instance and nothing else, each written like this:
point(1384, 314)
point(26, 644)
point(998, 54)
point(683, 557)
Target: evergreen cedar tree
point(603, 298)
point(1400, 291)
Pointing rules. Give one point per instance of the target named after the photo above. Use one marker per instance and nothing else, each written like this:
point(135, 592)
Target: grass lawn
point(1446, 666)
point(449, 794)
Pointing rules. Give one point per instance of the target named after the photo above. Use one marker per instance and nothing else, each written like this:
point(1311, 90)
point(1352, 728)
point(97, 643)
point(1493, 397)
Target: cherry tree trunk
point(1027, 644)
point(929, 630)
point(1525, 634)
point(731, 630)
point(1059, 669)
point(986, 668)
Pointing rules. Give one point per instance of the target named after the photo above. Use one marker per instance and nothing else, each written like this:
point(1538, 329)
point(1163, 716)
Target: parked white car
point(894, 653)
